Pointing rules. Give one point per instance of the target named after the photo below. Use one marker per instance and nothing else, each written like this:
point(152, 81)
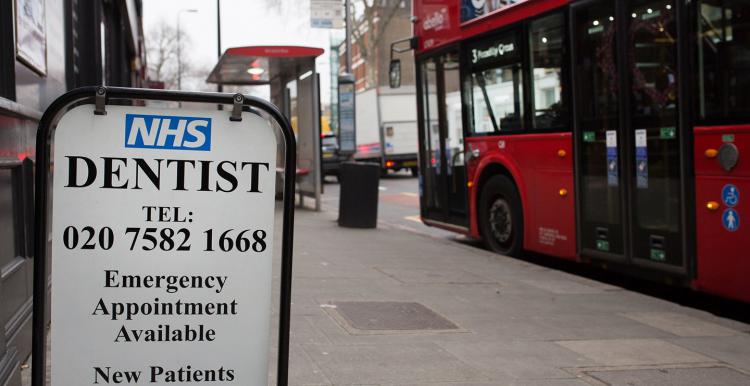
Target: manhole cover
point(392, 316)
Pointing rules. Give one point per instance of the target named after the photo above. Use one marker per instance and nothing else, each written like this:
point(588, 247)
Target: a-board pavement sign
point(160, 240)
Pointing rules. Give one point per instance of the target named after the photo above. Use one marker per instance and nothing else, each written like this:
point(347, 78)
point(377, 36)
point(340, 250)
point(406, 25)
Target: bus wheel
point(500, 216)
point(414, 172)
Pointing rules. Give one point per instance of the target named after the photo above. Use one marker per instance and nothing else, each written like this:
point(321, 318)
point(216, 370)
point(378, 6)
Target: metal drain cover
point(392, 316)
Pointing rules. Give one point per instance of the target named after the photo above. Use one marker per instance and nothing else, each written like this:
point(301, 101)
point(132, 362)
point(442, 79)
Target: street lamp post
point(179, 47)
point(348, 36)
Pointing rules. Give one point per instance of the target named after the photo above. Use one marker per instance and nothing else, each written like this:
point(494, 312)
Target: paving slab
point(524, 382)
point(434, 276)
point(588, 326)
point(680, 324)
point(518, 360)
point(701, 376)
point(563, 286)
point(390, 364)
point(734, 350)
point(302, 331)
point(622, 352)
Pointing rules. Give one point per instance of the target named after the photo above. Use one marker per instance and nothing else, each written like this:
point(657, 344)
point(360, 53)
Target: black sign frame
point(99, 96)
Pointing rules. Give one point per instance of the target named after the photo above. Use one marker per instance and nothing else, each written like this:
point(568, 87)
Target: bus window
point(431, 137)
point(496, 84)
point(498, 99)
point(546, 48)
point(653, 33)
point(723, 59)
point(454, 129)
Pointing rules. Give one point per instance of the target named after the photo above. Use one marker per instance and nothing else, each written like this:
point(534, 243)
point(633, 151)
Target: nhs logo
point(167, 132)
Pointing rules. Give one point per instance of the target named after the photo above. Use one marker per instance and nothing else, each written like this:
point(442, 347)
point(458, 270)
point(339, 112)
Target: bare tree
point(371, 21)
point(162, 55)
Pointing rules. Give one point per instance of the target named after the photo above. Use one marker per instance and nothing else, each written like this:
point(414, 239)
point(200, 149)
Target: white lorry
point(386, 128)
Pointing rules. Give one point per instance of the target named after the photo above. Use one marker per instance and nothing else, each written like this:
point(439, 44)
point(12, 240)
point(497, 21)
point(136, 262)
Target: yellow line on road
point(415, 218)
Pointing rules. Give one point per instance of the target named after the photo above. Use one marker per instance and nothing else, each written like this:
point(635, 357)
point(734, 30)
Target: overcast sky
point(243, 23)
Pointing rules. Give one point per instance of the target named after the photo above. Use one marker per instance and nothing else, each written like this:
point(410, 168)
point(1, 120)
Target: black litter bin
point(358, 200)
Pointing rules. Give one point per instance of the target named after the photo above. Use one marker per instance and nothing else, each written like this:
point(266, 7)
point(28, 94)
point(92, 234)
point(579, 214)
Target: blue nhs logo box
point(167, 132)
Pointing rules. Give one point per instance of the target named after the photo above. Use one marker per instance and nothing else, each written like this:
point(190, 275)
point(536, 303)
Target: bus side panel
point(550, 224)
point(722, 234)
point(542, 166)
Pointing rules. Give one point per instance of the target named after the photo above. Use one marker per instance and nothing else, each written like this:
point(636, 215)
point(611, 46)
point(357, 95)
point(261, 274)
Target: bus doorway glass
point(628, 133)
point(442, 146)
point(657, 215)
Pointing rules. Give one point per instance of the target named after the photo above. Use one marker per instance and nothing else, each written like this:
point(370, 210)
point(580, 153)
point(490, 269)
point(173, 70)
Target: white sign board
point(161, 247)
point(326, 14)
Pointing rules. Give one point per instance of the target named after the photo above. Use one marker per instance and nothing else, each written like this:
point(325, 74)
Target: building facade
point(388, 21)
point(47, 47)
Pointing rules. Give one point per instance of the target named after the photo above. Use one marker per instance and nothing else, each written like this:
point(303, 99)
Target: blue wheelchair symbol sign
point(731, 220)
point(730, 195)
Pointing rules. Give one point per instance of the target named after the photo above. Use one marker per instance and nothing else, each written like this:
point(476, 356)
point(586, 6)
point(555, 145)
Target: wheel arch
point(487, 170)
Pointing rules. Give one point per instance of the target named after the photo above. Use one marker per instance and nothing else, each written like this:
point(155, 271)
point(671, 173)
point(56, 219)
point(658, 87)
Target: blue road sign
point(730, 195)
point(731, 220)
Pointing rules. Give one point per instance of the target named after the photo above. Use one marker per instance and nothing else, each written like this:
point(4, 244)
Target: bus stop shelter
point(295, 89)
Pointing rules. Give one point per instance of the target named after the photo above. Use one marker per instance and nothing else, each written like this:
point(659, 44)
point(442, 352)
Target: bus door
point(628, 139)
point(442, 151)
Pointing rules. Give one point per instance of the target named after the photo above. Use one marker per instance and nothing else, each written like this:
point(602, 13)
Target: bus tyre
point(414, 172)
point(501, 217)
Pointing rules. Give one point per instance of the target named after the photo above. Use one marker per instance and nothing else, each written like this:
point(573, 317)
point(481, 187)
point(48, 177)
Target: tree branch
point(385, 22)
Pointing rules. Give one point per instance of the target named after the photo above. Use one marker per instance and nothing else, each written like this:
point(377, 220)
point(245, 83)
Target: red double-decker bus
point(614, 132)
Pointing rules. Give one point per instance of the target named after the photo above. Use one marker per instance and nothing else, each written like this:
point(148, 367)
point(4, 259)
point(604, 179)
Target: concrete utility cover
point(392, 316)
point(711, 376)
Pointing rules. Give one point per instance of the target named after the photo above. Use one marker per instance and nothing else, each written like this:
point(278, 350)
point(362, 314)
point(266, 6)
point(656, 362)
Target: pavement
point(404, 304)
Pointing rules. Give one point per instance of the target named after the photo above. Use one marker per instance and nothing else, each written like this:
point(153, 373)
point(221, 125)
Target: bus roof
point(441, 22)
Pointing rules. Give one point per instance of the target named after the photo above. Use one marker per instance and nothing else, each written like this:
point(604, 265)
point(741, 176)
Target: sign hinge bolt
point(100, 101)
point(238, 101)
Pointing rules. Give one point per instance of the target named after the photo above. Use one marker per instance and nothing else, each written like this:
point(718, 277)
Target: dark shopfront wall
point(24, 94)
